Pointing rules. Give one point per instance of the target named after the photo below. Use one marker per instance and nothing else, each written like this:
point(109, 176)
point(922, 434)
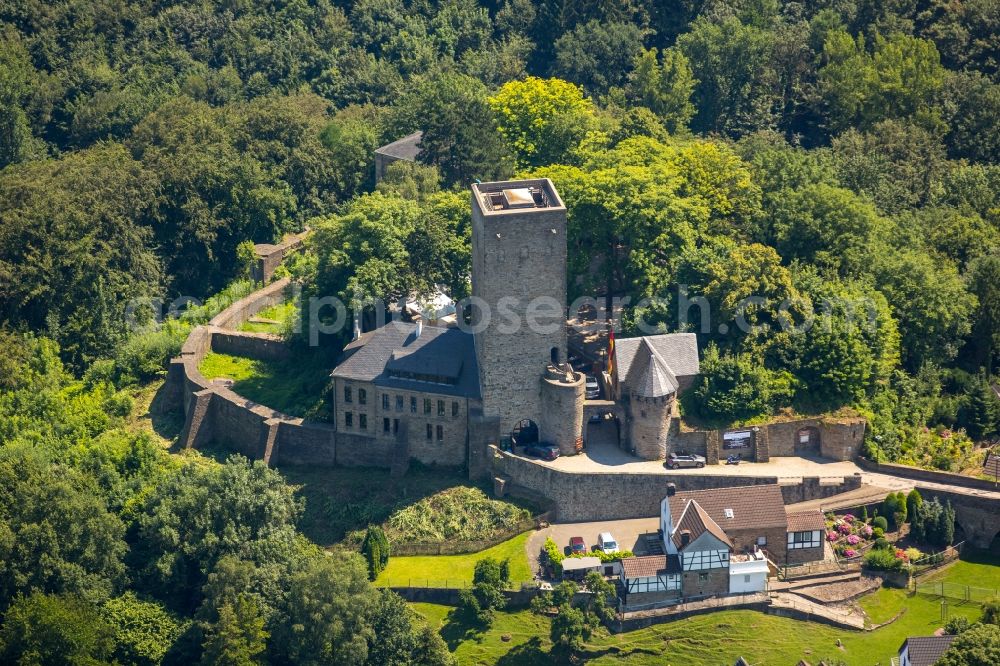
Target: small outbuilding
point(576, 568)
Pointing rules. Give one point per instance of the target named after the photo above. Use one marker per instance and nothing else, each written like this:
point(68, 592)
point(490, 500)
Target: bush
point(881, 523)
point(554, 555)
point(956, 625)
point(881, 544)
point(375, 548)
point(605, 557)
point(878, 533)
point(464, 513)
point(991, 612)
point(882, 559)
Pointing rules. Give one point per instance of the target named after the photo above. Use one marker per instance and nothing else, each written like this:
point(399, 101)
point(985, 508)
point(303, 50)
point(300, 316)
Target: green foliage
point(490, 579)
point(883, 559)
point(957, 625)
point(664, 84)
point(880, 522)
point(598, 55)
point(734, 388)
point(375, 548)
point(542, 119)
point(978, 646)
point(144, 631)
point(462, 513)
point(991, 612)
point(54, 629)
point(200, 515)
point(238, 637)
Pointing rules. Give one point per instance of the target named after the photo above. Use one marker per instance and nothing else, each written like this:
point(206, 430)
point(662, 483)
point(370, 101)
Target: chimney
point(671, 489)
point(420, 328)
point(357, 329)
point(685, 537)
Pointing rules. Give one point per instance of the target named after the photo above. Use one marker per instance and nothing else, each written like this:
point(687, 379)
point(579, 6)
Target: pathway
point(840, 615)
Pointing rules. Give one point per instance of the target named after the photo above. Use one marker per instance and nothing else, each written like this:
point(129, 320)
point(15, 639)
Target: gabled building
point(922, 650)
point(719, 542)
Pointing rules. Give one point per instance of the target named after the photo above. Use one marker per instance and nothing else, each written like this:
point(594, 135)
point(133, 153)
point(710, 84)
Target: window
point(347, 394)
point(440, 407)
point(395, 426)
point(430, 431)
point(362, 397)
point(385, 401)
point(642, 413)
point(440, 433)
point(385, 425)
point(762, 541)
point(702, 576)
point(427, 405)
point(349, 419)
point(413, 404)
point(363, 421)
point(746, 578)
point(454, 409)
point(804, 539)
point(399, 403)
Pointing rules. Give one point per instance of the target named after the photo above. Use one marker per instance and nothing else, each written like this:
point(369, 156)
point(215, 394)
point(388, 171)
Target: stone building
point(409, 383)
point(406, 149)
point(647, 375)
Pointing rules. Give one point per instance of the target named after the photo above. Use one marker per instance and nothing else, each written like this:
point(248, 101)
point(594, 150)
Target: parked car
point(677, 460)
point(607, 543)
point(577, 545)
point(542, 450)
point(595, 418)
point(593, 389)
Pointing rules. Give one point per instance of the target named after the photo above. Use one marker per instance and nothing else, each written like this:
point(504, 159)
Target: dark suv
point(542, 450)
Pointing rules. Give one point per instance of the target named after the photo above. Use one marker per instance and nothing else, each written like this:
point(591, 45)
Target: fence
point(403, 549)
point(442, 583)
point(934, 561)
point(957, 591)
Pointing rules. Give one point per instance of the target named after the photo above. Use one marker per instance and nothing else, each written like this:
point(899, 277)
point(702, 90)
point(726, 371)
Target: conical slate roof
point(650, 376)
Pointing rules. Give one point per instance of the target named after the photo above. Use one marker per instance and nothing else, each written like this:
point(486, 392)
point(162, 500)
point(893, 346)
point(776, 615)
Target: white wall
point(738, 582)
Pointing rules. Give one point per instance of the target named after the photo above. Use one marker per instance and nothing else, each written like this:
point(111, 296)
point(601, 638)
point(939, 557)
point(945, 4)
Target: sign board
point(740, 439)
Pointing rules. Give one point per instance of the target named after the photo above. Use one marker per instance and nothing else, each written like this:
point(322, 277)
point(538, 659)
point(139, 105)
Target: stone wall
point(216, 414)
point(839, 439)
point(591, 496)
point(262, 346)
point(933, 476)
point(270, 256)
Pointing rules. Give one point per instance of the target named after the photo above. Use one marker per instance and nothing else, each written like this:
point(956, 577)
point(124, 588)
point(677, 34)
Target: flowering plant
point(850, 552)
point(844, 528)
point(831, 536)
point(853, 539)
point(866, 531)
point(848, 518)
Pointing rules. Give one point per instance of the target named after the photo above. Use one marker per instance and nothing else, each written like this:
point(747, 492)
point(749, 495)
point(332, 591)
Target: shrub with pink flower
point(853, 539)
point(850, 552)
point(848, 518)
point(831, 536)
point(867, 531)
point(844, 528)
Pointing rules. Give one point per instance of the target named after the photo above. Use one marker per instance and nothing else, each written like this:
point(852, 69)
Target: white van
point(607, 543)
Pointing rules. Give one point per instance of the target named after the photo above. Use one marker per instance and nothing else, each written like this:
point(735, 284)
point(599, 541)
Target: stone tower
point(519, 294)
point(563, 391)
point(650, 390)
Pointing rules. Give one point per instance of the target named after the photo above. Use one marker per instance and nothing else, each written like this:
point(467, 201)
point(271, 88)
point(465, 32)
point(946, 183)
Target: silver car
point(678, 460)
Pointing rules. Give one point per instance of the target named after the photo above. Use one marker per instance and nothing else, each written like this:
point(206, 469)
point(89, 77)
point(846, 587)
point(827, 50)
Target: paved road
point(601, 457)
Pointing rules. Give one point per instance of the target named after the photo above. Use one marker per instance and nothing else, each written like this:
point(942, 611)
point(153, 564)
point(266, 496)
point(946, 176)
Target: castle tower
point(650, 390)
point(563, 392)
point(519, 294)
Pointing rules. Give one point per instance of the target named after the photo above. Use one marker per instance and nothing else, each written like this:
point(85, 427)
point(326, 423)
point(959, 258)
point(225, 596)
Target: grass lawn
point(454, 570)
point(719, 638)
point(280, 313)
point(296, 387)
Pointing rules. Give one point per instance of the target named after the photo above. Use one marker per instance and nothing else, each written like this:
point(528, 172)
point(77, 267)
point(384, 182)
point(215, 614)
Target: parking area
point(628, 533)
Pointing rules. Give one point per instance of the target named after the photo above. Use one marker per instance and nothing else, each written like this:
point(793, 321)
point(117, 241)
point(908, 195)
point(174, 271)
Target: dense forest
point(842, 152)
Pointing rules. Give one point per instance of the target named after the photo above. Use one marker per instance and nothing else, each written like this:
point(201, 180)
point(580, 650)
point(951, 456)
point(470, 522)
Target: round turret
point(563, 391)
point(649, 425)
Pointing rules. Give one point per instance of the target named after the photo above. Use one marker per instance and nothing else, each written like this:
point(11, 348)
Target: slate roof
point(753, 506)
point(447, 352)
point(696, 520)
point(648, 566)
point(806, 521)
point(406, 148)
point(925, 650)
point(658, 359)
point(649, 375)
